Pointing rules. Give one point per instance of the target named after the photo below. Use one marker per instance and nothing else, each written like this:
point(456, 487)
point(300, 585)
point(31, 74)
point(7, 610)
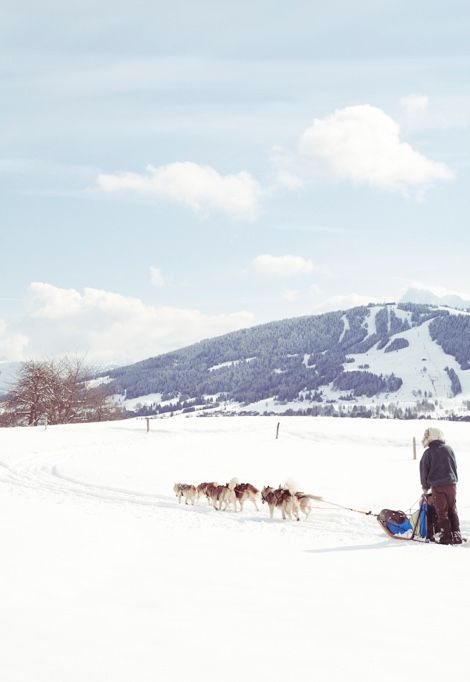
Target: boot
point(455, 526)
point(445, 537)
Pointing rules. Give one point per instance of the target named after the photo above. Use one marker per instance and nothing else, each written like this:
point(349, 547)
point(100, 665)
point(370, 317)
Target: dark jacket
point(438, 465)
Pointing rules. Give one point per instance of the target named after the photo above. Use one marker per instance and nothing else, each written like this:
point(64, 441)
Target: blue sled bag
point(396, 522)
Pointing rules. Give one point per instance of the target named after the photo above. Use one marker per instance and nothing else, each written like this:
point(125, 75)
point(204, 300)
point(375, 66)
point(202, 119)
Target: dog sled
point(417, 526)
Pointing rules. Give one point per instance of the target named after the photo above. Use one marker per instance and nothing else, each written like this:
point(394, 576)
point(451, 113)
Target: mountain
point(407, 355)
point(426, 297)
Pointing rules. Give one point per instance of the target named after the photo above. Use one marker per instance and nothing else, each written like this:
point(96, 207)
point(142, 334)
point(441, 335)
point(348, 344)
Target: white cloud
point(438, 290)
point(50, 302)
point(156, 277)
point(346, 301)
point(414, 105)
point(282, 266)
point(201, 188)
point(362, 144)
point(111, 328)
point(13, 345)
point(291, 295)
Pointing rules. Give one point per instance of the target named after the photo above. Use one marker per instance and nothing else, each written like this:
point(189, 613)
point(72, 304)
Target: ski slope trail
point(105, 575)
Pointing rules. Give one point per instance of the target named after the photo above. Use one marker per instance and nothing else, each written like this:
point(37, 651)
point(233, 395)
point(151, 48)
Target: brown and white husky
point(185, 490)
point(223, 495)
point(283, 499)
point(202, 489)
point(246, 491)
point(305, 502)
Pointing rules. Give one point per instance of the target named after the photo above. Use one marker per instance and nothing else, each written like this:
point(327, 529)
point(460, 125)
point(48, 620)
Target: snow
point(346, 327)
point(148, 399)
point(100, 381)
point(306, 360)
point(229, 363)
point(105, 576)
point(421, 366)
point(403, 315)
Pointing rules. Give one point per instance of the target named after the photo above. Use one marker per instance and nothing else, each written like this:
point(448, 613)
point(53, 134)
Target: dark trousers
point(444, 498)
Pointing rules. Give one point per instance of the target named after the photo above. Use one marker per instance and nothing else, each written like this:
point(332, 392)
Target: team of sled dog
point(234, 494)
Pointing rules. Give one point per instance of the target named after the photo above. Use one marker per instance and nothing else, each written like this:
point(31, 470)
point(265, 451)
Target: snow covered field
point(105, 577)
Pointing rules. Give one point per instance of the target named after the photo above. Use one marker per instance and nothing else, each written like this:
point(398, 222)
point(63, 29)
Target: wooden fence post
point(148, 423)
point(414, 447)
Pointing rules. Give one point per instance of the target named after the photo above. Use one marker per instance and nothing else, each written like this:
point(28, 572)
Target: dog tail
point(291, 486)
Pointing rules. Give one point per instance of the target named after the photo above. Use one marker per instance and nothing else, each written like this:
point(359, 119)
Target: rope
point(368, 513)
point(358, 511)
point(417, 503)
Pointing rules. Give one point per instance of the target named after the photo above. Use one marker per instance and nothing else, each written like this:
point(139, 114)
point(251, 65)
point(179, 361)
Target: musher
point(438, 471)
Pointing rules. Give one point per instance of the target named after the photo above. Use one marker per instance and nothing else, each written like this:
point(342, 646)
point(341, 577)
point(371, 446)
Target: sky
point(171, 172)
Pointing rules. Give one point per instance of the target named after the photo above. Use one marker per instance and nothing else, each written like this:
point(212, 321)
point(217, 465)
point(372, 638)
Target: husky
point(283, 499)
point(291, 487)
point(246, 491)
point(223, 495)
point(187, 491)
point(305, 504)
point(212, 492)
point(202, 489)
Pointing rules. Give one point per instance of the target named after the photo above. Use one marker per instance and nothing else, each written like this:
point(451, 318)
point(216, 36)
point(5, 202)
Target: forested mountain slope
point(401, 352)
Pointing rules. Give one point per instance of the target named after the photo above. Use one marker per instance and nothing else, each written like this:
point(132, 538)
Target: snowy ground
point(105, 577)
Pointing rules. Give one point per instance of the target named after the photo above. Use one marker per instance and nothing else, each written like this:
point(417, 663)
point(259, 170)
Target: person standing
point(438, 471)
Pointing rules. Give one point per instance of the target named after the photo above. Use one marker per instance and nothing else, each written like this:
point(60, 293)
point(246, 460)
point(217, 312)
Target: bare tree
point(33, 395)
point(100, 407)
point(71, 395)
point(58, 391)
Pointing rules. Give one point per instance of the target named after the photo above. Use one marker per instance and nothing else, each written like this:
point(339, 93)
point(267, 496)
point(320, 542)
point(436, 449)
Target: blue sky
point(169, 172)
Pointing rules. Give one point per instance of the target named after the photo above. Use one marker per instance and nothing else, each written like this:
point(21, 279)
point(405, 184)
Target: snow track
point(41, 473)
point(133, 468)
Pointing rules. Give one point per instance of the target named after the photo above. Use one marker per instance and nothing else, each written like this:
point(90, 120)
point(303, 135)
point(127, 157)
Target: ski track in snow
point(46, 473)
point(41, 474)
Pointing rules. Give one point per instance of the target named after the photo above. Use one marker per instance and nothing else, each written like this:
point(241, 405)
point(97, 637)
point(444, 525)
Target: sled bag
point(397, 522)
point(423, 520)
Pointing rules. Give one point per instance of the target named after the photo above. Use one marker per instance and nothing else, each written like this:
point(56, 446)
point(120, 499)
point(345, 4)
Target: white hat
point(432, 433)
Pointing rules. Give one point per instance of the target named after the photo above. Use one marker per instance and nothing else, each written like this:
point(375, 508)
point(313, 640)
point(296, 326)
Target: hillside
point(409, 355)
